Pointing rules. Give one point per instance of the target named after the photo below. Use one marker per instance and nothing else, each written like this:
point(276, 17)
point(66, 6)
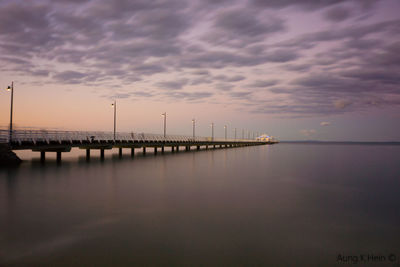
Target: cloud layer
point(256, 54)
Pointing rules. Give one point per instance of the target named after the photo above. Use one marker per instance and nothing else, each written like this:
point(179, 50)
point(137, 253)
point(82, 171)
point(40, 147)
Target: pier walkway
point(60, 142)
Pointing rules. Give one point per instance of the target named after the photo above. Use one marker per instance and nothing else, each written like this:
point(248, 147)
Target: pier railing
point(34, 136)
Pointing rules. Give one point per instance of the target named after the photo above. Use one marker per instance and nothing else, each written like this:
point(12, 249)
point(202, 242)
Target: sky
point(297, 70)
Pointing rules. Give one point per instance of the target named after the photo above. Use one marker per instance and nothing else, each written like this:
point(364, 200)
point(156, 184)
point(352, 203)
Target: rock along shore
point(7, 157)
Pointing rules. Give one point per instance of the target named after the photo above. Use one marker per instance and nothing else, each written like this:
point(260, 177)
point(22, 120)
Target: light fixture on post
point(115, 117)
point(165, 123)
point(212, 131)
point(226, 134)
point(194, 125)
point(11, 88)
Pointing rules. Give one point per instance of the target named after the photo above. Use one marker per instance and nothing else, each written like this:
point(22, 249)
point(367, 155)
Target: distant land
point(396, 143)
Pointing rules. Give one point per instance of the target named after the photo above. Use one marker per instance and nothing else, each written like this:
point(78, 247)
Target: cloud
point(240, 94)
point(264, 83)
point(173, 85)
point(173, 47)
point(223, 86)
point(325, 123)
point(225, 78)
point(192, 96)
point(69, 76)
point(337, 14)
point(309, 5)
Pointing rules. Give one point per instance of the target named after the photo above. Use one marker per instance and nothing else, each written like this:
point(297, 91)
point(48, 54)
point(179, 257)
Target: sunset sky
point(320, 70)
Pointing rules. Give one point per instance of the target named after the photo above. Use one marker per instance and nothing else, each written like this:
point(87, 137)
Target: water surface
point(285, 204)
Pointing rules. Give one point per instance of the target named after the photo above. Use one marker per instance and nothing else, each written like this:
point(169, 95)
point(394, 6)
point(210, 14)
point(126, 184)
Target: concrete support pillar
point(120, 152)
point(58, 156)
point(177, 148)
point(172, 148)
point(162, 149)
point(214, 146)
point(144, 150)
point(42, 156)
point(198, 147)
point(132, 152)
point(206, 147)
point(102, 153)
point(155, 150)
point(87, 154)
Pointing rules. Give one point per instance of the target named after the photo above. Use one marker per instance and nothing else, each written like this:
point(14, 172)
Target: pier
point(60, 142)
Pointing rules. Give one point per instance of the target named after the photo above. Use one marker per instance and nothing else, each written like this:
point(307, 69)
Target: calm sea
point(277, 205)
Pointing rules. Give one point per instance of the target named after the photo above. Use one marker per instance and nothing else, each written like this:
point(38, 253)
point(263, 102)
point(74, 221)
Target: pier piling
point(42, 156)
point(87, 154)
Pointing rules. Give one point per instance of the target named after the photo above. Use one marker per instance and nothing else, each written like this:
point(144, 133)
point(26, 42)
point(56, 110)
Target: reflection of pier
point(62, 141)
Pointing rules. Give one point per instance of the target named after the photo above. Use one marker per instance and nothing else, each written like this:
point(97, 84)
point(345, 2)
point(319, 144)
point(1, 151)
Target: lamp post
point(11, 88)
point(165, 123)
point(115, 117)
point(242, 133)
point(194, 125)
point(212, 131)
point(235, 133)
point(226, 135)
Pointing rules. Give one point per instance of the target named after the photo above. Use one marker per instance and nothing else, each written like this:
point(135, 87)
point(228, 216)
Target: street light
point(226, 135)
point(165, 123)
point(11, 88)
point(212, 131)
point(194, 125)
point(115, 116)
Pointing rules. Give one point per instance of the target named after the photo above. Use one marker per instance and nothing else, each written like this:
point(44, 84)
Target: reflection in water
point(287, 204)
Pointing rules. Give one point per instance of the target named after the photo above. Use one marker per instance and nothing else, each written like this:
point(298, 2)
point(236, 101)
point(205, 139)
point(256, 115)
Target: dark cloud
point(18, 18)
point(337, 14)
point(69, 76)
point(241, 27)
point(188, 95)
point(240, 94)
point(173, 85)
point(223, 86)
point(309, 40)
point(201, 80)
point(201, 72)
point(264, 83)
point(297, 67)
point(308, 4)
point(225, 78)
